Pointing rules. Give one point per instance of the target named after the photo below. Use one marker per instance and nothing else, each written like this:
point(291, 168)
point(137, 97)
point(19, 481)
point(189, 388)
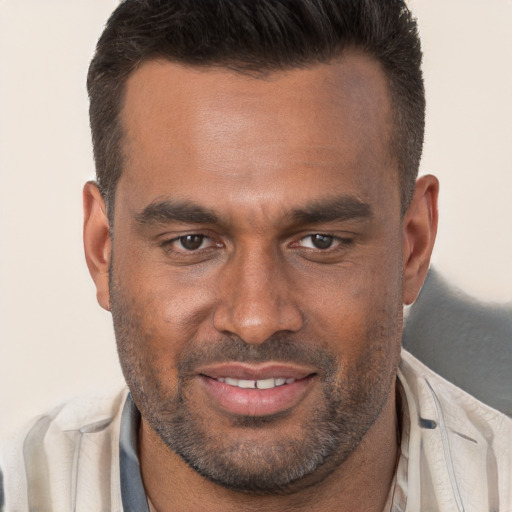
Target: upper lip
point(256, 371)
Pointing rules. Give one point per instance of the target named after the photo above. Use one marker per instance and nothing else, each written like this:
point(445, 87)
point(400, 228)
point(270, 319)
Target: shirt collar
point(132, 489)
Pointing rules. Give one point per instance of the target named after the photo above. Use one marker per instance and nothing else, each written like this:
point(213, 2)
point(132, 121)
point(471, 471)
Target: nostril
point(254, 312)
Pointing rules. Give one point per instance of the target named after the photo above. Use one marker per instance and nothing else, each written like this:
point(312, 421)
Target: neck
point(360, 483)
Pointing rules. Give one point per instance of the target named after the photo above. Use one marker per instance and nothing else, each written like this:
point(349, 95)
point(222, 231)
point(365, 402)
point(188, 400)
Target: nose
point(256, 298)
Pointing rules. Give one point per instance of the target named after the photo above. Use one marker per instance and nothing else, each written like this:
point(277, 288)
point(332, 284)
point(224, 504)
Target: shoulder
point(457, 406)
point(45, 463)
point(465, 444)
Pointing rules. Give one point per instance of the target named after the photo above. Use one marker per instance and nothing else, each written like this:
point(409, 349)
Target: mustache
point(278, 348)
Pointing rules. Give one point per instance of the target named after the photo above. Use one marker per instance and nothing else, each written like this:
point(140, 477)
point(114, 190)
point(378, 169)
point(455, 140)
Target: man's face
point(256, 272)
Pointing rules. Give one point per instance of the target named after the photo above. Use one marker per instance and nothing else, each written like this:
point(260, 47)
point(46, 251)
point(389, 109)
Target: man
point(255, 230)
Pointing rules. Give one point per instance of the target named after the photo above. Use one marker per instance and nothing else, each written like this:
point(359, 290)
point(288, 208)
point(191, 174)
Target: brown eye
point(191, 242)
point(321, 241)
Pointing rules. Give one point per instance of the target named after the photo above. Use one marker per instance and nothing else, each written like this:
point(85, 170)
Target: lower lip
point(257, 402)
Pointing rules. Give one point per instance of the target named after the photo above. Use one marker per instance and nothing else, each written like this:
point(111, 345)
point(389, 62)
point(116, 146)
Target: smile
point(256, 384)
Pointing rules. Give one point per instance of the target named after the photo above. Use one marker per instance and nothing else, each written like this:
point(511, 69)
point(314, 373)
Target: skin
point(269, 157)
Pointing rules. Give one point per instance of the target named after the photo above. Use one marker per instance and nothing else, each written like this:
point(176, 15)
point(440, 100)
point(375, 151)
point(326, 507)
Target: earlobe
point(97, 242)
point(419, 234)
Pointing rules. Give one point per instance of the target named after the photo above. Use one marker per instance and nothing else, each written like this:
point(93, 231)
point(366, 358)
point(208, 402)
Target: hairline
point(261, 72)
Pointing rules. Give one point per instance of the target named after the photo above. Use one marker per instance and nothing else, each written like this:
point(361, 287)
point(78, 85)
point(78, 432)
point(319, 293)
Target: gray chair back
point(467, 341)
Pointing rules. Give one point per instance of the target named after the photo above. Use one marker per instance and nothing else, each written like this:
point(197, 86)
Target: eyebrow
point(326, 210)
point(160, 212)
point(332, 209)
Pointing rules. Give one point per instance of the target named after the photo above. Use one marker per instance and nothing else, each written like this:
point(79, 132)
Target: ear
point(419, 234)
point(97, 243)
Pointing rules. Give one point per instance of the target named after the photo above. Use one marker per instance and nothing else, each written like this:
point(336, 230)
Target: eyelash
point(337, 241)
point(334, 239)
point(168, 244)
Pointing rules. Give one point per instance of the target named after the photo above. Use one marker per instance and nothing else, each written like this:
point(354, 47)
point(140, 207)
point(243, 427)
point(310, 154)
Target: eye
point(317, 241)
point(191, 248)
point(189, 244)
point(192, 242)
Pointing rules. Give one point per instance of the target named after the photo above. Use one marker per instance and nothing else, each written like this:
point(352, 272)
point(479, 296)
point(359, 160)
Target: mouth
point(262, 390)
point(256, 384)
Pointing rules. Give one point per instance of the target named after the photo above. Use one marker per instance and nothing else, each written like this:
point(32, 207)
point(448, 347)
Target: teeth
point(265, 384)
point(246, 384)
point(256, 384)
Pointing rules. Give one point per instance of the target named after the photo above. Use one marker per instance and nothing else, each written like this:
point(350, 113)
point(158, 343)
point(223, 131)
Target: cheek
point(356, 308)
point(171, 305)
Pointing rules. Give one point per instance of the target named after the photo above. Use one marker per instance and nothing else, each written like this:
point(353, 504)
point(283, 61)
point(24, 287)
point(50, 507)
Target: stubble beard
point(329, 435)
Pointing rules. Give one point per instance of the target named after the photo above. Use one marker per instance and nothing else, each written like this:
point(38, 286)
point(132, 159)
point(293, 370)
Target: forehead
point(303, 128)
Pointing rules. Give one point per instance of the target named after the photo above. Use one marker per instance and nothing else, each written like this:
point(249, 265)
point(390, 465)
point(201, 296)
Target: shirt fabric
point(455, 454)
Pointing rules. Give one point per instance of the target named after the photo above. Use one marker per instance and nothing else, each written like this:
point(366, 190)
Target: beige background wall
point(54, 340)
